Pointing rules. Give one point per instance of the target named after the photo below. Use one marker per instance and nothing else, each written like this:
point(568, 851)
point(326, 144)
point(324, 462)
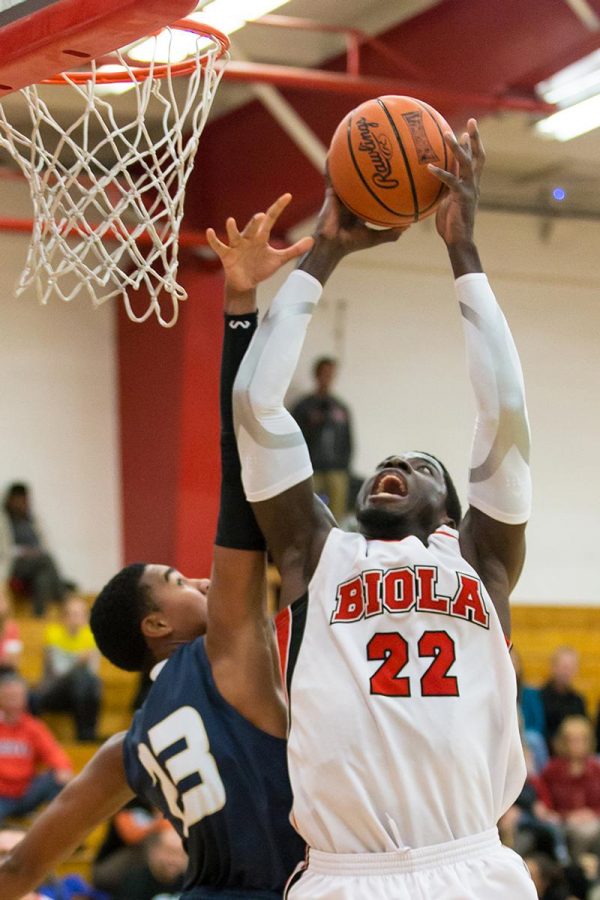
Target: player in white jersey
point(403, 748)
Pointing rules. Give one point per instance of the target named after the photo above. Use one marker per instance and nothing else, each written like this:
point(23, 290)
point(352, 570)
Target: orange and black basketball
point(378, 158)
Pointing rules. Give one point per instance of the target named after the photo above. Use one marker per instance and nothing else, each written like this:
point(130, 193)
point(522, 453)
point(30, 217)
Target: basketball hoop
point(108, 194)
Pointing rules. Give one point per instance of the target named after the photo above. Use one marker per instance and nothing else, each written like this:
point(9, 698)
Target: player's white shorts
point(473, 868)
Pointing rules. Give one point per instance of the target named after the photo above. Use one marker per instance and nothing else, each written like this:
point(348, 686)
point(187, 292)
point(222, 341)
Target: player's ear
point(155, 625)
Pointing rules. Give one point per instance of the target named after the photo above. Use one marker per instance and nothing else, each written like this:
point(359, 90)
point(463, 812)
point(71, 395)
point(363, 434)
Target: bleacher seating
point(537, 632)
point(118, 691)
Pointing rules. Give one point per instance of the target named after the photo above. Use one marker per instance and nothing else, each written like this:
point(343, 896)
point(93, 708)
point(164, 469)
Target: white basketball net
point(108, 197)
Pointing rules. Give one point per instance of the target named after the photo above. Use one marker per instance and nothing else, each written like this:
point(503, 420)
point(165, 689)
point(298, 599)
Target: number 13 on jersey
point(193, 804)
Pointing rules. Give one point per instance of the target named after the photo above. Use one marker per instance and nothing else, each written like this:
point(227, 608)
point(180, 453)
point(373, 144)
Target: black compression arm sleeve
point(237, 527)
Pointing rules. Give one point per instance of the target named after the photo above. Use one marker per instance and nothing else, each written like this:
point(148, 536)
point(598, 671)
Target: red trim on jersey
point(445, 534)
point(283, 627)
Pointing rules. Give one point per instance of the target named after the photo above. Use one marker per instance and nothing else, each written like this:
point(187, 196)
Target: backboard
point(40, 38)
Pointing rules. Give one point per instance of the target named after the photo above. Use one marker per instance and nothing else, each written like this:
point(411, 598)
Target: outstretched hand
point(335, 223)
point(455, 218)
point(249, 258)
point(339, 232)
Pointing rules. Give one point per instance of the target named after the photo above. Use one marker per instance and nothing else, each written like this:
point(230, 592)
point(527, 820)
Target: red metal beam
point(354, 38)
point(372, 86)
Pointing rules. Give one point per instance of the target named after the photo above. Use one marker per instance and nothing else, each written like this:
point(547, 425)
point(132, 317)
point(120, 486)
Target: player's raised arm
point(492, 533)
point(276, 468)
point(95, 795)
point(239, 637)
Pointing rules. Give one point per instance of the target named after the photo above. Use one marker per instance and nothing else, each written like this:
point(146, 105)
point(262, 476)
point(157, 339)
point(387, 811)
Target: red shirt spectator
point(573, 784)
point(26, 745)
point(569, 791)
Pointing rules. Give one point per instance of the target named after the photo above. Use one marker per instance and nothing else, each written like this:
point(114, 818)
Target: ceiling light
point(576, 91)
point(112, 88)
point(230, 17)
point(574, 83)
point(573, 121)
point(168, 46)
point(224, 15)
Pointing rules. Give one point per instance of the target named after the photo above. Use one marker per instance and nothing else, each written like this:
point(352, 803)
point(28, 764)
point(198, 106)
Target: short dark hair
point(323, 361)
point(16, 489)
point(453, 507)
point(11, 676)
point(116, 617)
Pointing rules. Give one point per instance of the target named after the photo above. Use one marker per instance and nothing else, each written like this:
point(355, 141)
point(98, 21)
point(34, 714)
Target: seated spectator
point(10, 638)
point(123, 847)
point(530, 826)
point(9, 838)
point(532, 716)
point(162, 873)
point(71, 661)
point(26, 748)
point(548, 877)
point(572, 781)
point(31, 564)
point(559, 697)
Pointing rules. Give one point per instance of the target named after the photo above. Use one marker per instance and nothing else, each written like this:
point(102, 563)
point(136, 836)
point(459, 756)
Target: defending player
point(404, 747)
point(208, 746)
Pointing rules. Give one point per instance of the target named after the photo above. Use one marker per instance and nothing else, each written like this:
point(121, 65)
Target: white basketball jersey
point(403, 728)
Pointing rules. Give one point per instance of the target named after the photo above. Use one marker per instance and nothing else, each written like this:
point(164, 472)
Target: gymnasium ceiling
point(466, 57)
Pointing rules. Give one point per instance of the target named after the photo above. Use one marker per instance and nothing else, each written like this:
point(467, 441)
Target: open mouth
point(390, 484)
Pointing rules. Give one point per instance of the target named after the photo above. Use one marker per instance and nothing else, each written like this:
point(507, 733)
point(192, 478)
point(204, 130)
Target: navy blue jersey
point(221, 781)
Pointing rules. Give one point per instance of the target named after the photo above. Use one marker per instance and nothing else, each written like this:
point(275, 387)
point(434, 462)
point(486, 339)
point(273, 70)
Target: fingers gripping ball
point(378, 159)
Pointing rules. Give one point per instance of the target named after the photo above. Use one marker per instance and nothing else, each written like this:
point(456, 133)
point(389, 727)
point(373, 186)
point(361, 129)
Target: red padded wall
point(169, 419)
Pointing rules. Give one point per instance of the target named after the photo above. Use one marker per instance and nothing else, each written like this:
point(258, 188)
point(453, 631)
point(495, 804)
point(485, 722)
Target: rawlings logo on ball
point(379, 150)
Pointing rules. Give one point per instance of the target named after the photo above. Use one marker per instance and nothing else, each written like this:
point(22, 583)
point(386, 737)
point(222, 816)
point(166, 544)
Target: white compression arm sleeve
point(272, 448)
point(499, 478)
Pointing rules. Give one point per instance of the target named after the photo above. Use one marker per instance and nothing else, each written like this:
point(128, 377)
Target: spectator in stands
point(532, 716)
point(123, 847)
point(9, 838)
point(598, 729)
point(548, 877)
point(162, 873)
point(325, 423)
point(71, 662)
point(6, 544)
point(559, 697)
point(530, 825)
point(572, 781)
point(31, 562)
point(10, 638)
point(26, 747)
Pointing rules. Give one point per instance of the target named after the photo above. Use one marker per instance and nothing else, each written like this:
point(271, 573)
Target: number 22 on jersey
point(193, 804)
point(392, 648)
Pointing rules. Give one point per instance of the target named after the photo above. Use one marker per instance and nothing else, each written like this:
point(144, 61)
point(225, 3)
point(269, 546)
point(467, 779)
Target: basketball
point(378, 158)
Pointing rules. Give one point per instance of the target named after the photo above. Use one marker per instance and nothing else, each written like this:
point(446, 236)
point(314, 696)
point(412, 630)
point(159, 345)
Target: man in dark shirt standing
point(325, 423)
point(559, 697)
